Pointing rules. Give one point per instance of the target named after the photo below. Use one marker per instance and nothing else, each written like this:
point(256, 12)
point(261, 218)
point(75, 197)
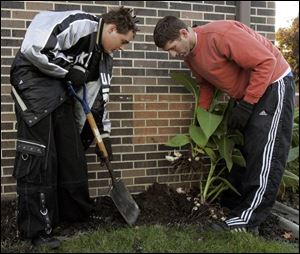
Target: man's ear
point(111, 28)
point(184, 32)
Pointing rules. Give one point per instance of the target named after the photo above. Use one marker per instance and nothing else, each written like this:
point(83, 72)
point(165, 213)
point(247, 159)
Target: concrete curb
point(288, 225)
point(285, 210)
point(288, 217)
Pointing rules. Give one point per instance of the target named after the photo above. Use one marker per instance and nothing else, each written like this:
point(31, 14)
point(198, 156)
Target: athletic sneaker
point(222, 226)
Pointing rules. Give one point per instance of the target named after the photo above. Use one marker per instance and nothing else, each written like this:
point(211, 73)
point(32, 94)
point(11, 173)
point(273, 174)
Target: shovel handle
point(97, 135)
point(89, 117)
point(100, 144)
point(93, 126)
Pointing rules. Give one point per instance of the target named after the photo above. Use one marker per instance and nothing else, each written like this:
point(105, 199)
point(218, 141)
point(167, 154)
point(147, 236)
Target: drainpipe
point(243, 12)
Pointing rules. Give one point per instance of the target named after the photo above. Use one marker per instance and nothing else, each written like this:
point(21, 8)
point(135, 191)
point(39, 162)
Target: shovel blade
point(124, 202)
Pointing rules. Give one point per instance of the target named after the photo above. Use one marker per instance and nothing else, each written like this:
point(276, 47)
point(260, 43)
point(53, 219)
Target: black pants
point(51, 173)
point(267, 139)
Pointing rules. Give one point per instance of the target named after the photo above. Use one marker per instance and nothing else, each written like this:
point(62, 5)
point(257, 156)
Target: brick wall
point(146, 107)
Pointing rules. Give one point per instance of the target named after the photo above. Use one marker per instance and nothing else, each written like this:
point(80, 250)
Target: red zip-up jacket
point(234, 58)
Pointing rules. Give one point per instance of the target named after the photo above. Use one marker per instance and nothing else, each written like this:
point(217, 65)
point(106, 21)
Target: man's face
point(179, 48)
point(112, 40)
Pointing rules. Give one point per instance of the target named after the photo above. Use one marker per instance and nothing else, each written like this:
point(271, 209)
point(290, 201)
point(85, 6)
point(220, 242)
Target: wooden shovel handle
point(97, 135)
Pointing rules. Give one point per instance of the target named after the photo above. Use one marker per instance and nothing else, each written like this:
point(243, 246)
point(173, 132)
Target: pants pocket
point(30, 161)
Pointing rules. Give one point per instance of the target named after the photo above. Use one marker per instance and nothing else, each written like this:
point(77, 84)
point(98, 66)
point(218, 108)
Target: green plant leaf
point(187, 81)
point(209, 122)
point(225, 146)
point(220, 190)
point(293, 154)
point(289, 179)
point(190, 84)
point(211, 154)
point(227, 183)
point(178, 140)
point(220, 107)
point(291, 175)
point(237, 137)
point(215, 101)
point(198, 136)
point(296, 126)
point(296, 113)
point(238, 158)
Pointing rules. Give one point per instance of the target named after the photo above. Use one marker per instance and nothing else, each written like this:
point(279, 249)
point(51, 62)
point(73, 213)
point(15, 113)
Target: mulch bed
point(159, 204)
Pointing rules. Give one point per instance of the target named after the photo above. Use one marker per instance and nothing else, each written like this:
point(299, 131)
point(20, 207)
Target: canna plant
point(208, 136)
point(290, 179)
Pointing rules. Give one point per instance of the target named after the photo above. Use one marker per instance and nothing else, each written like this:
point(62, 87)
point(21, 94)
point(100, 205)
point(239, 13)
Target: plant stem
point(208, 181)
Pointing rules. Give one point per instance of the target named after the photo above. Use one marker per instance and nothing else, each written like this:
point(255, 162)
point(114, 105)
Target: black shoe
point(253, 230)
point(222, 226)
point(219, 226)
point(46, 240)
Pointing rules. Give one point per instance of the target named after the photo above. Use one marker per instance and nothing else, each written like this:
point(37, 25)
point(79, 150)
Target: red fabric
point(234, 58)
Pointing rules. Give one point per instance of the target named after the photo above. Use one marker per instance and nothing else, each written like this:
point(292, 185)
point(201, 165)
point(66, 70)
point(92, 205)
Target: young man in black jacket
point(50, 165)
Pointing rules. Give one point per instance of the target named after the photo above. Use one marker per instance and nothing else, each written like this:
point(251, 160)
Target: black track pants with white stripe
point(267, 139)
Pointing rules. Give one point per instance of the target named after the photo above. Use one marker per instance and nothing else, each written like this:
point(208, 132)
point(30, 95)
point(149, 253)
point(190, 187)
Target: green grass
point(161, 239)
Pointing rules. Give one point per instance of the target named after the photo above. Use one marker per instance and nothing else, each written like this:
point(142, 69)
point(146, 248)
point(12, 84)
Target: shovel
point(118, 191)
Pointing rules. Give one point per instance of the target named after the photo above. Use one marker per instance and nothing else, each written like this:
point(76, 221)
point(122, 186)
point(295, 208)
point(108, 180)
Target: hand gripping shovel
point(118, 192)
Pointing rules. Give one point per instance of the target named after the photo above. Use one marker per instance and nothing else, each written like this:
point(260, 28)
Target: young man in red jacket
point(232, 57)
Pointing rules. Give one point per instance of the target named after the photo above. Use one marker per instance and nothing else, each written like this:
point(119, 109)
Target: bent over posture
point(50, 165)
point(230, 56)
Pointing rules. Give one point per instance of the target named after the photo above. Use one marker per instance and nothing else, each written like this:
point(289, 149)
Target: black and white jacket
point(53, 43)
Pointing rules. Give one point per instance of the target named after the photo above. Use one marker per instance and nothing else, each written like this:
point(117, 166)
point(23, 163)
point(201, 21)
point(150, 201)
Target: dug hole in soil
point(159, 204)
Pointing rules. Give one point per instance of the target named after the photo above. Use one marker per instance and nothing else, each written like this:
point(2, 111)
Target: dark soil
point(159, 205)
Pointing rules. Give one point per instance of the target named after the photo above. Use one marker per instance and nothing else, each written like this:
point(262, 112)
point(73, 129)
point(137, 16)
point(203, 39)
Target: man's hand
point(240, 115)
point(107, 144)
point(77, 76)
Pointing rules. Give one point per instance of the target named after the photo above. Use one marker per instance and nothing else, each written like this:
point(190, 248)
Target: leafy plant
point(288, 42)
point(290, 179)
point(208, 135)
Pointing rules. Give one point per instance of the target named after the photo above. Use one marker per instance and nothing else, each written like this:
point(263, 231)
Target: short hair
point(167, 29)
point(123, 19)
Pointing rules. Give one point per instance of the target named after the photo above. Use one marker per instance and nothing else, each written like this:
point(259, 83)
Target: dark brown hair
point(123, 19)
point(167, 29)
